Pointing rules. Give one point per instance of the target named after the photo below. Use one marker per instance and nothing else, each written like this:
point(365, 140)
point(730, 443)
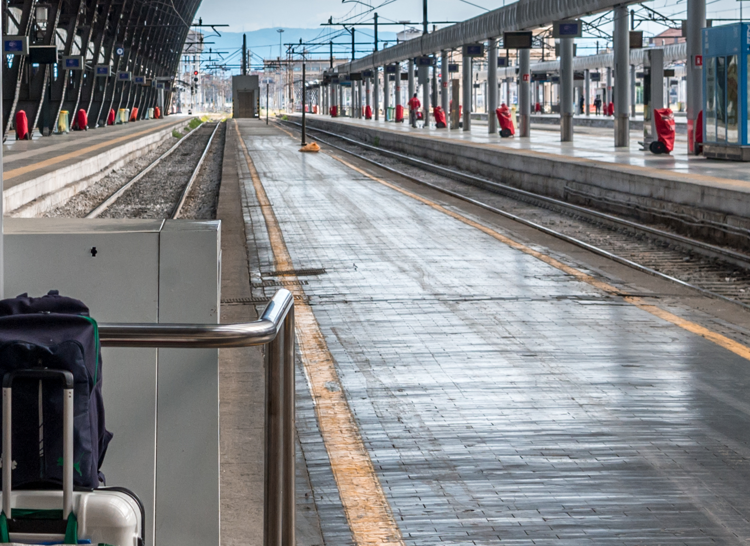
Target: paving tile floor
point(500, 399)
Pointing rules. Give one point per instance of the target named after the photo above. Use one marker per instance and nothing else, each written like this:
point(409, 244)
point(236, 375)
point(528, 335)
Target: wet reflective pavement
point(500, 399)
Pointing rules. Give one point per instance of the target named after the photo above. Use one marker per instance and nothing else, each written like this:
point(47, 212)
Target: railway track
point(151, 193)
point(715, 271)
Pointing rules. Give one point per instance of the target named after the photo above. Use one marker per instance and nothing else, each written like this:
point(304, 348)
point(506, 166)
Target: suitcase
point(108, 516)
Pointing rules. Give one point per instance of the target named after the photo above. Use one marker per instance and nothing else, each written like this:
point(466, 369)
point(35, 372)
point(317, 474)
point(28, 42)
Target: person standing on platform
point(582, 102)
point(414, 106)
point(598, 105)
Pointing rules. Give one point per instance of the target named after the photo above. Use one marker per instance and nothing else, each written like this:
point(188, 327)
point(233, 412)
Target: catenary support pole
point(566, 90)
point(492, 86)
point(524, 96)
point(696, 20)
point(304, 103)
point(444, 91)
point(587, 92)
point(342, 110)
point(466, 98)
point(608, 96)
point(622, 76)
point(359, 99)
point(376, 93)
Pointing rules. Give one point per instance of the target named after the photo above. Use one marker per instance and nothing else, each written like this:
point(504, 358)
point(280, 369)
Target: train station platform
point(469, 380)
point(44, 165)
point(589, 170)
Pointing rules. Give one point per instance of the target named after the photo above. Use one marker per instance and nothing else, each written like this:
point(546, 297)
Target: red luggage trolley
point(504, 116)
point(665, 131)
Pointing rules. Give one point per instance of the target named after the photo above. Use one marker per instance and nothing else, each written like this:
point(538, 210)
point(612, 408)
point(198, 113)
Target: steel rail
point(706, 249)
point(276, 329)
point(109, 201)
point(186, 190)
point(534, 225)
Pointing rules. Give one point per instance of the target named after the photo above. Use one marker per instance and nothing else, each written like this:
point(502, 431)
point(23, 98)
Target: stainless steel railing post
point(289, 523)
point(272, 516)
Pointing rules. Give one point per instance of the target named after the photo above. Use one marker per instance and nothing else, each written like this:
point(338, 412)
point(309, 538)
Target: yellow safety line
point(367, 510)
point(723, 341)
point(12, 173)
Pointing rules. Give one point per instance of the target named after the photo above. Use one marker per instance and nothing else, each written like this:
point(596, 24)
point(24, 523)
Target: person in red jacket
point(414, 106)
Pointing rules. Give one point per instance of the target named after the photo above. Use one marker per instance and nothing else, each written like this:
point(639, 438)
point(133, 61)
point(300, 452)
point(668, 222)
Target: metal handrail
point(214, 336)
point(275, 329)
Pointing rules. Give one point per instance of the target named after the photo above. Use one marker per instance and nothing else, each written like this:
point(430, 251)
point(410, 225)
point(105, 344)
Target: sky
point(302, 18)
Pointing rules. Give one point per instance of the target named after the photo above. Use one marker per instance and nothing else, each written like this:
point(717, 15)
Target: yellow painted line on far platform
point(719, 339)
point(367, 510)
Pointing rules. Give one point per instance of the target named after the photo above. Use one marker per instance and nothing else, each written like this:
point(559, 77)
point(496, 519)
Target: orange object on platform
point(368, 112)
point(111, 117)
point(399, 113)
point(22, 125)
point(157, 113)
point(82, 121)
point(134, 114)
point(312, 147)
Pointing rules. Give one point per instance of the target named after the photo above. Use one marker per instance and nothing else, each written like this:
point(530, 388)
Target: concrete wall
point(245, 96)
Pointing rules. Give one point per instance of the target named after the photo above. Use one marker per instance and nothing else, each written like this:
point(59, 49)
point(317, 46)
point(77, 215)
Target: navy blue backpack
point(57, 333)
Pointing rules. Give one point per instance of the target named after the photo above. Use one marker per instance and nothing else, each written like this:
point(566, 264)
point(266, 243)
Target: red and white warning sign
point(526, 77)
point(698, 61)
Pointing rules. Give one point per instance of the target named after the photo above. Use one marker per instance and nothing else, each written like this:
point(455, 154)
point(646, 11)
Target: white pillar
point(466, 92)
point(398, 100)
point(696, 20)
point(492, 87)
point(621, 41)
point(566, 89)
point(386, 92)
point(586, 92)
point(524, 97)
point(376, 93)
point(444, 92)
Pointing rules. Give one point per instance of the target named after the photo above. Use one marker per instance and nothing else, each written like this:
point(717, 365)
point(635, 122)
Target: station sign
point(334, 80)
point(669, 72)
point(390, 69)
point(345, 77)
point(356, 77)
point(160, 85)
point(539, 78)
point(555, 79)
point(425, 61)
point(404, 76)
point(120, 51)
point(16, 45)
point(453, 68)
point(140, 80)
point(474, 50)
point(102, 71)
point(124, 76)
point(367, 74)
point(43, 54)
point(517, 40)
point(595, 76)
point(72, 62)
point(502, 62)
point(567, 29)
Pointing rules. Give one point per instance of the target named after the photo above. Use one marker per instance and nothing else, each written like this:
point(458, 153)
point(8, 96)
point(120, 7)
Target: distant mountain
point(264, 43)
